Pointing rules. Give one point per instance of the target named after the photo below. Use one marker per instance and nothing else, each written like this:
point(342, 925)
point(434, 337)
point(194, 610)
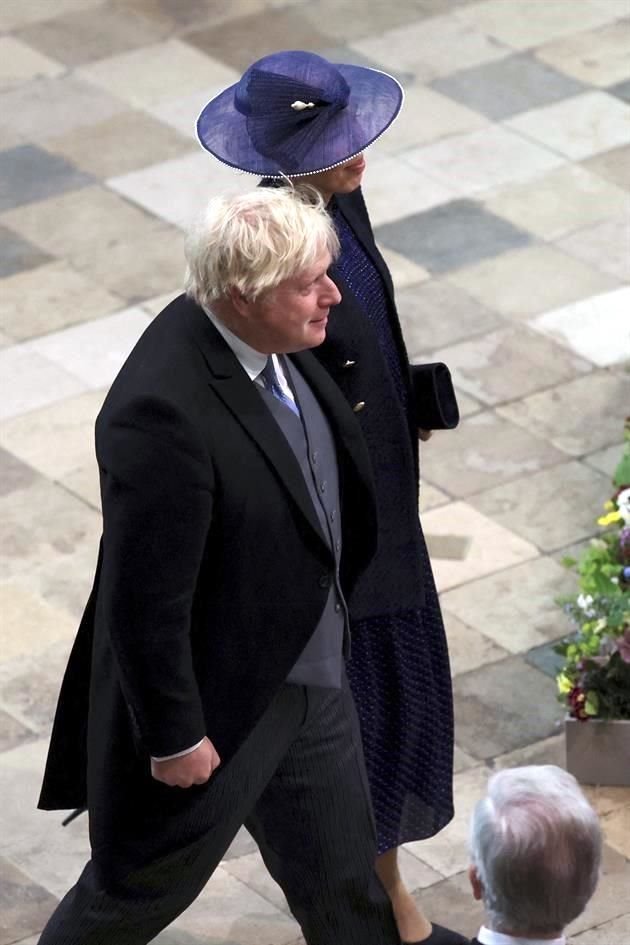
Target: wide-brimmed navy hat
point(294, 113)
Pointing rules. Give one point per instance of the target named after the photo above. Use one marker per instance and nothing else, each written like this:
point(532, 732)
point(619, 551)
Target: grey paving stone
point(516, 607)
point(17, 255)
point(14, 474)
point(242, 845)
point(34, 695)
point(27, 174)
point(510, 363)
point(12, 732)
point(452, 235)
point(508, 86)
point(451, 903)
point(545, 659)
point(435, 313)
point(353, 57)
point(613, 165)
point(504, 706)
point(578, 417)
point(482, 452)
point(621, 90)
point(24, 906)
point(552, 508)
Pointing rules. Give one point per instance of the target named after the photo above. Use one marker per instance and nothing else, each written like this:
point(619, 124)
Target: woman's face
point(338, 180)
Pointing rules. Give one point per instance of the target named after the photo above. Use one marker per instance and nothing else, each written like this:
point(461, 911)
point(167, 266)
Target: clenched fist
point(194, 768)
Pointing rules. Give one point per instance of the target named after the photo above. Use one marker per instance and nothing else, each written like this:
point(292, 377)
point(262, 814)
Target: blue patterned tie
point(271, 383)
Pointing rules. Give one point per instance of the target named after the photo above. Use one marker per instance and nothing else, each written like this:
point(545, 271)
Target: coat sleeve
point(157, 492)
point(435, 401)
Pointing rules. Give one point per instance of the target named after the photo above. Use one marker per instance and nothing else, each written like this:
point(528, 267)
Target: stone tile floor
point(501, 199)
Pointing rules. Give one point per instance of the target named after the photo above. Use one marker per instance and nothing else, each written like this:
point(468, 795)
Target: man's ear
point(475, 882)
point(239, 301)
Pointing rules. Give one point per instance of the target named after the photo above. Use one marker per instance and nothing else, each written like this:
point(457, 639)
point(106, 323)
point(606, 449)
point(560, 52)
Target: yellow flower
point(564, 684)
point(610, 505)
point(610, 518)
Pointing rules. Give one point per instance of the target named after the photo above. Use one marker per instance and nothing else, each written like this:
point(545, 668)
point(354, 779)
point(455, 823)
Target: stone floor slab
point(18, 255)
point(549, 751)
point(182, 113)
point(515, 608)
point(171, 189)
point(28, 622)
point(467, 648)
point(50, 107)
point(524, 282)
point(621, 90)
point(431, 497)
point(403, 271)
point(616, 827)
point(32, 381)
point(24, 906)
point(597, 57)
point(122, 144)
point(578, 127)
point(483, 452)
point(505, 88)
point(139, 77)
point(13, 732)
point(508, 364)
point(606, 246)
point(513, 23)
point(613, 165)
point(94, 33)
point(595, 328)
point(55, 440)
point(615, 932)
point(437, 314)
point(450, 236)
point(606, 460)
point(227, 908)
point(14, 13)
point(559, 202)
point(551, 508)
point(447, 852)
point(545, 659)
point(609, 900)
point(416, 191)
point(341, 19)
point(49, 298)
point(493, 546)
point(238, 43)
point(504, 706)
point(425, 47)
point(20, 62)
point(14, 474)
point(439, 115)
point(484, 159)
point(577, 417)
point(451, 902)
point(94, 351)
point(82, 224)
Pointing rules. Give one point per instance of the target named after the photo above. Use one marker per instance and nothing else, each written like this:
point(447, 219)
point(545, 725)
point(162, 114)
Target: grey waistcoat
point(310, 438)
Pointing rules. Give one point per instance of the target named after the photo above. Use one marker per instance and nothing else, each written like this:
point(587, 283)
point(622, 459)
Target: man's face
point(294, 315)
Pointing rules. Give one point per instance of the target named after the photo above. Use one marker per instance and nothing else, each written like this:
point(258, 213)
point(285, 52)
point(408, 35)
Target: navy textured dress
point(399, 669)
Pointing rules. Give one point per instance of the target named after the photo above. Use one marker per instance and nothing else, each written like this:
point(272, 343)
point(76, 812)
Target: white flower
point(584, 602)
point(623, 504)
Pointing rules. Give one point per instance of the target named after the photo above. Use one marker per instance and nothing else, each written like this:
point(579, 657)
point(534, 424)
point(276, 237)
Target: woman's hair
point(536, 845)
point(254, 241)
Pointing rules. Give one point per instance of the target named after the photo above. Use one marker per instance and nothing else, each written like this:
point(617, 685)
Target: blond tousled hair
point(252, 242)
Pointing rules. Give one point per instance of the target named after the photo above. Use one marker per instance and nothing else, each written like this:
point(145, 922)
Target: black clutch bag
point(434, 396)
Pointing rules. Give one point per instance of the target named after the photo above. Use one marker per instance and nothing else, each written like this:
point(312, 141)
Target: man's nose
point(331, 292)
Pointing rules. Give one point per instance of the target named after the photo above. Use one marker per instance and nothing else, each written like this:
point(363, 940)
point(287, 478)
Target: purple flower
point(623, 646)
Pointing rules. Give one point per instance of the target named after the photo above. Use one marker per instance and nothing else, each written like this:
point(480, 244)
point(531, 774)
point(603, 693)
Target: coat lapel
point(230, 382)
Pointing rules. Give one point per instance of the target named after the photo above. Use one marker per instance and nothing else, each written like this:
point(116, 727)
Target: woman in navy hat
point(294, 115)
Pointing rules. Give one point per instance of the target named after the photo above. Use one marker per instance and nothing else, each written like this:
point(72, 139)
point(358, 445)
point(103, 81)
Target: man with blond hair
point(535, 853)
point(206, 687)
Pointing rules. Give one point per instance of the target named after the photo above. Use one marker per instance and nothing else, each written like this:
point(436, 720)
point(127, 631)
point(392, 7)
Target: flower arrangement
point(594, 681)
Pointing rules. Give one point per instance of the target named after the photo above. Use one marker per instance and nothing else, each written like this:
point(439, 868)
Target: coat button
point(348, 364)
point(324, 580)
point(359, 406)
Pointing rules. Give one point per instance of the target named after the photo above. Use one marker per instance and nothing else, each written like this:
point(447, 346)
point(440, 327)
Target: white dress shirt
point(488, 936)
point(253, 363)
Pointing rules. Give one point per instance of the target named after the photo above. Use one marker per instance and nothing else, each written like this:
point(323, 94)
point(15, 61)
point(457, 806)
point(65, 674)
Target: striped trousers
point(298, 783)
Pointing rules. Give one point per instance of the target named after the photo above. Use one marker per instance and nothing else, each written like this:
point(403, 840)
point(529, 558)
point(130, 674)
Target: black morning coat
point(212, 571)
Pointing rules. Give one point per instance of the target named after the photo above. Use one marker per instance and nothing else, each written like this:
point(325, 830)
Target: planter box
point(598, 751)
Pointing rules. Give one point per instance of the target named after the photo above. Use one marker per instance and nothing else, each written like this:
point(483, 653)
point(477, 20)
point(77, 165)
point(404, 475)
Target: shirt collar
point(488, 936)
point(252, 361)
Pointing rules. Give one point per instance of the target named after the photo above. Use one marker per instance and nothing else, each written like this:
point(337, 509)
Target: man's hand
point(424, 435)
point(194, 768)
